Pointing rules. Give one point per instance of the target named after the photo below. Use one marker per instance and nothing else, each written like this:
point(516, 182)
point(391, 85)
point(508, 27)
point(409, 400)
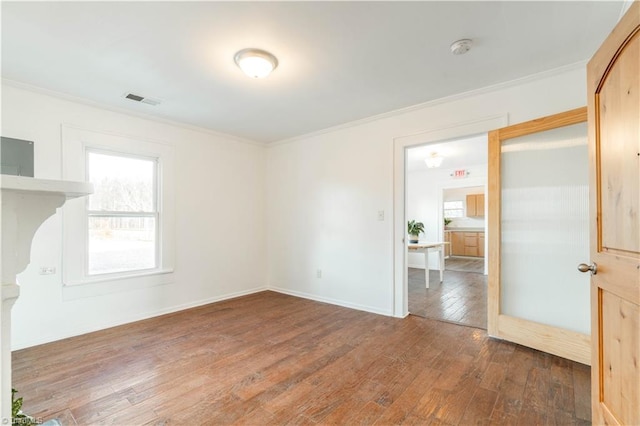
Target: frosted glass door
point(545, 227)
point(538, 220)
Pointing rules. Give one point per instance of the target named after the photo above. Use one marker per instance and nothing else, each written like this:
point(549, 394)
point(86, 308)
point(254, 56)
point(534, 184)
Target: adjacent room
point(446, 187)
point(205, 212)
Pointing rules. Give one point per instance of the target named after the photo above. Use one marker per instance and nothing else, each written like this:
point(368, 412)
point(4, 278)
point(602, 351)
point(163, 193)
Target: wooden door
point(613, 76)
point(542, 229)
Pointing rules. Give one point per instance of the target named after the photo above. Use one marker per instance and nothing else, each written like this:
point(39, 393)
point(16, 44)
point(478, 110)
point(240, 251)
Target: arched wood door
point(613, 76)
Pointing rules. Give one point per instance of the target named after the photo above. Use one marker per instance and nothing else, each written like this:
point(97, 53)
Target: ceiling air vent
point(138, 98)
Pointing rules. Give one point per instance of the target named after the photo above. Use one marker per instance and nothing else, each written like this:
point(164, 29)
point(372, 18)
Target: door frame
point(399, 292)
point(565, 343)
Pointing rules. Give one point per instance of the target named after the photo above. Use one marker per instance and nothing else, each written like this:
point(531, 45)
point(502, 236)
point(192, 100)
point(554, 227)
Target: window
point(122, 214)
point(122, 237)
point(453, 209)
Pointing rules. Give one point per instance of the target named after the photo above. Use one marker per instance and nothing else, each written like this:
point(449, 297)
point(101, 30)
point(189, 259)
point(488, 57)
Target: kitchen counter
point(461, 229)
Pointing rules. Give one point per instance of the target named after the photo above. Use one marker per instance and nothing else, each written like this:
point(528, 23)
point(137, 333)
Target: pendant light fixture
point(433, 160)
point(256, 63)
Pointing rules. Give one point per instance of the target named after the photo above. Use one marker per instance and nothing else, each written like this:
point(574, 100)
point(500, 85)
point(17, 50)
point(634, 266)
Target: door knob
point(593, 268)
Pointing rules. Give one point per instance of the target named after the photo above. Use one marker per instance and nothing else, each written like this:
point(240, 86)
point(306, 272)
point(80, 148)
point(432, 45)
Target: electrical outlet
point(319, 273)
point(380, 214)
point(47, 270)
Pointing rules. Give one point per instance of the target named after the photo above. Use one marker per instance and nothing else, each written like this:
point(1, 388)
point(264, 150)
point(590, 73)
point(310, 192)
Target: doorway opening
point(449, 197)
point(477, 126)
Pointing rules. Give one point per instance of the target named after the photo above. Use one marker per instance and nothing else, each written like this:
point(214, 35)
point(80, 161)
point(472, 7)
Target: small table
point(424, 248)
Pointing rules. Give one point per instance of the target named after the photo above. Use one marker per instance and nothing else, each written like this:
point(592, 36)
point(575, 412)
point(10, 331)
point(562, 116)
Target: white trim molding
point(75, 142)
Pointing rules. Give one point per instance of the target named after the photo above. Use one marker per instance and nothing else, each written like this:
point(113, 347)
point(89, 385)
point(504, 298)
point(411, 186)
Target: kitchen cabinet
point(457, 243)
point(464, 243)
point(447, 247)
point(471, 244)
point(475, 205)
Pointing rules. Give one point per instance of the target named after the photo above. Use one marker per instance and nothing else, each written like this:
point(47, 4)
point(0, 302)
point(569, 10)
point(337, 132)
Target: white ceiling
point(456, 154)
point(338, 61)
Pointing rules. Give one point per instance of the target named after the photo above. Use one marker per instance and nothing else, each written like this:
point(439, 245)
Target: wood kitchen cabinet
point(471, 244)
point(457, 243)
point(447, 247)
point(475, 205)
point(466, 243)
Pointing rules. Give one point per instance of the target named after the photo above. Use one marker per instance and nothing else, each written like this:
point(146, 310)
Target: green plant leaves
point(17, 416)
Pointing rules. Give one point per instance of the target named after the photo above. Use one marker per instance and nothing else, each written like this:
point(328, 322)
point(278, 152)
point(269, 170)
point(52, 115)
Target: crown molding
point(428, 104)
point(100, 105)
point(452, 98)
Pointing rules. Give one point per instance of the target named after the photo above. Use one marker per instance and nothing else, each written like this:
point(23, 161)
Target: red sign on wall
point(458, 174)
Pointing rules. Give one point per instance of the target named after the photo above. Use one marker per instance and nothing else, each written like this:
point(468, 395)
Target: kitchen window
point(453, 209)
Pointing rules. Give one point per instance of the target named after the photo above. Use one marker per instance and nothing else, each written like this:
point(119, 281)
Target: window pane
point(451, 205)
point(453, 213)
point(121, 183)
point(118, 244)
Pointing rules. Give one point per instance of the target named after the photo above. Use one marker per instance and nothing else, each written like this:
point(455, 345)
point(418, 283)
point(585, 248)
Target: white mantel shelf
point(26, 203)
point(27, 185)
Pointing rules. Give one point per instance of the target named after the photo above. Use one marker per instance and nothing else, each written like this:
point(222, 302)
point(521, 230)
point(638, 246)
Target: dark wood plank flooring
point(464, 264)
point(268, 358)
point(461, 297)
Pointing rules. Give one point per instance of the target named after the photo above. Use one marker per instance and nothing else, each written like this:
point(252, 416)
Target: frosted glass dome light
point(256, 63)
point(433, 160)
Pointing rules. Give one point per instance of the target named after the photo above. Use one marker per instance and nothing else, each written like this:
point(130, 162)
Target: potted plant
point(17, 416)
point(447, 221)
point(414, 229)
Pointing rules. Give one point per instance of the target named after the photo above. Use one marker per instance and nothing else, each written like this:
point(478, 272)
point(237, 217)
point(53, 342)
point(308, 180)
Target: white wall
point(324, 193)
point(424, 203)
point(325, 190)
point(220, 220)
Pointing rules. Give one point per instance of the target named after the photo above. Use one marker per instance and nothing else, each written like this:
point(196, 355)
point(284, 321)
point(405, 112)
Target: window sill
point(99, 286)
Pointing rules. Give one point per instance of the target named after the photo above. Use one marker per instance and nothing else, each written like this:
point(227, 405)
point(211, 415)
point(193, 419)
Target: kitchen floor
point(465, 264)
point(461, 298)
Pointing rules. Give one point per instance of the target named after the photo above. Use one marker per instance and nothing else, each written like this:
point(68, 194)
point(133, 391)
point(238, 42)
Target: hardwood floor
point(464, 264)
point(460, 298)
point(268, 358)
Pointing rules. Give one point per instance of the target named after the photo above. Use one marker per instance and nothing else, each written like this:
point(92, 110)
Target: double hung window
point(121, 237)
point(122, 214)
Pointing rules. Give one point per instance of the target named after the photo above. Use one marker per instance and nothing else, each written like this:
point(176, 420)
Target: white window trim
point(76, 283)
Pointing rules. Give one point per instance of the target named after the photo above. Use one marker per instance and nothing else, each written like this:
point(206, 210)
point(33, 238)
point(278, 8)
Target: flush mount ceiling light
point(255, 63)
point(461, 47)
point(433, 160)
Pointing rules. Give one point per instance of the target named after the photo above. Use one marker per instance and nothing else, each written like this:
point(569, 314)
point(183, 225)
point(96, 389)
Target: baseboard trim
point(143, 316)
point(331, 301)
